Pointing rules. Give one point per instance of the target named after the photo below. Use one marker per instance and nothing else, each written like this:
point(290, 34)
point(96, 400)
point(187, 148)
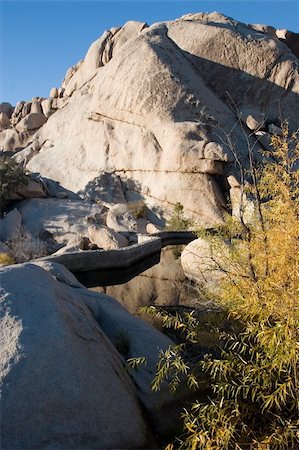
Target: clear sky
point(41, 39)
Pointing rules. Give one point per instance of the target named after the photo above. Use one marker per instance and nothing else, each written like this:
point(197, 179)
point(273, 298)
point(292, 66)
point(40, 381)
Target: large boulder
point(6, 108)
point(105, 238)
point(63, 218)
point(63, 382)
point(206, 262)
point(32, 121)
point(4, 121)
point(10, 140)
point(164, 126)
point(120, 218)
point(11, 225)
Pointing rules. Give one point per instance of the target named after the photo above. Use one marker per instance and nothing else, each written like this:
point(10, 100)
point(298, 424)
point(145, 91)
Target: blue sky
point(41, 39)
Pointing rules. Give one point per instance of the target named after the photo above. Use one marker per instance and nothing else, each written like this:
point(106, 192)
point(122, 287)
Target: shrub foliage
point(12, 177)
point(253, 400)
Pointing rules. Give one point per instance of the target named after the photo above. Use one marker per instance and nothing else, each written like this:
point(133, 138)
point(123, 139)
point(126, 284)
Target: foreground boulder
point(63, 383)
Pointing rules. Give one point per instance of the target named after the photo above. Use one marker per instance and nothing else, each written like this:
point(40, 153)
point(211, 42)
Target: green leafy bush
point(178, 222)
point(12, 177)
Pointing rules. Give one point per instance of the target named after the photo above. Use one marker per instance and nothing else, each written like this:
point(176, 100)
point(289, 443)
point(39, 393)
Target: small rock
point(53, 92)
point(232, 181)
point(274, 129)
point(7, 109)
point(151, 228)
point(105, 238)
point(4, 121)
point(84, 243)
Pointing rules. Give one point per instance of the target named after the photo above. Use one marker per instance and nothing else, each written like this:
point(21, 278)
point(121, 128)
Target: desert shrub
point(25, 248)
point(253, 393)
point(6, 260)
point(178, 222)
point(12, 177)
point(138, 209)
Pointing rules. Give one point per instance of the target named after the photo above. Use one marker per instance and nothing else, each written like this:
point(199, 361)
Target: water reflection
point(151, 282)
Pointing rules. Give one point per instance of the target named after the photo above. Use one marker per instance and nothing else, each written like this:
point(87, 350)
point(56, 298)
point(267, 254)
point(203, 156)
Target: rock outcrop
point(63, 381)
point(165, 127)
point(162, 125)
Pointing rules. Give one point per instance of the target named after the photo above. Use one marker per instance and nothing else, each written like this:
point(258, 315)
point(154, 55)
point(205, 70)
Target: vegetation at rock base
point(6, 260)
point(253, 373)
point(12, 177)
point(178, 222)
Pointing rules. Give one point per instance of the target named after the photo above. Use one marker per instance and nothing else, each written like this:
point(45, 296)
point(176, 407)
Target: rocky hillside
point(163, 107)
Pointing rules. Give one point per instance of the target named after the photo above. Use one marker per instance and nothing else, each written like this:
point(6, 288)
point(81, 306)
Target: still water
point(159, 280)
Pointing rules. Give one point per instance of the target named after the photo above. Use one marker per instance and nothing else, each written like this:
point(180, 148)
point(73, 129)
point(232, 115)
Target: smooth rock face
point(202, 263)
point(9, 140)
point(33, 189)
point(120, 218)
point(7, 109)
point(4, 121)
point(31, 121)
point(105, 238)
point(64, 218)
point(10, 225)
point(162, 125)
point(63, 383)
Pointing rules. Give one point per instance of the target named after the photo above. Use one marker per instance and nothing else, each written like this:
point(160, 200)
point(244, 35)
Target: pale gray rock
point(63, 383)
point(253, 119)
point(6, 108)
point(242, 205)
point(23, 157)
point(59, 273)
point(151, 228)
point(9, 140)
point(46, 106)
point(4, 121)
point(36, 107)
point(33, 189)
point(290, 39)
point(106, 189)
point(206, 263)
point(53, 93)
point(65, 219)
point(274, 129)
point(264, 139)
point(120, 218)
point(31, 121)
point(10, 225)
point(162, 125)
point(106, 238)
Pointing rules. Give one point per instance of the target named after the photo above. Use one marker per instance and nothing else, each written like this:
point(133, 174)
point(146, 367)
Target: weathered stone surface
point(36, 107)
point(274, 129)
point(6, 108)
point(106, 238)
point(241, 205)
point(106, 188)
point(290, 39)
point(63, 381)
point(253, 119)
point(162, 125)
point(4, 121)
point(65, 219)
point(53, 92)
point(202, 262)
point(120, 218)
point(33, 189)
point(10, 225)
point(9, 140)
point(46, 106)
point(31, 121)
